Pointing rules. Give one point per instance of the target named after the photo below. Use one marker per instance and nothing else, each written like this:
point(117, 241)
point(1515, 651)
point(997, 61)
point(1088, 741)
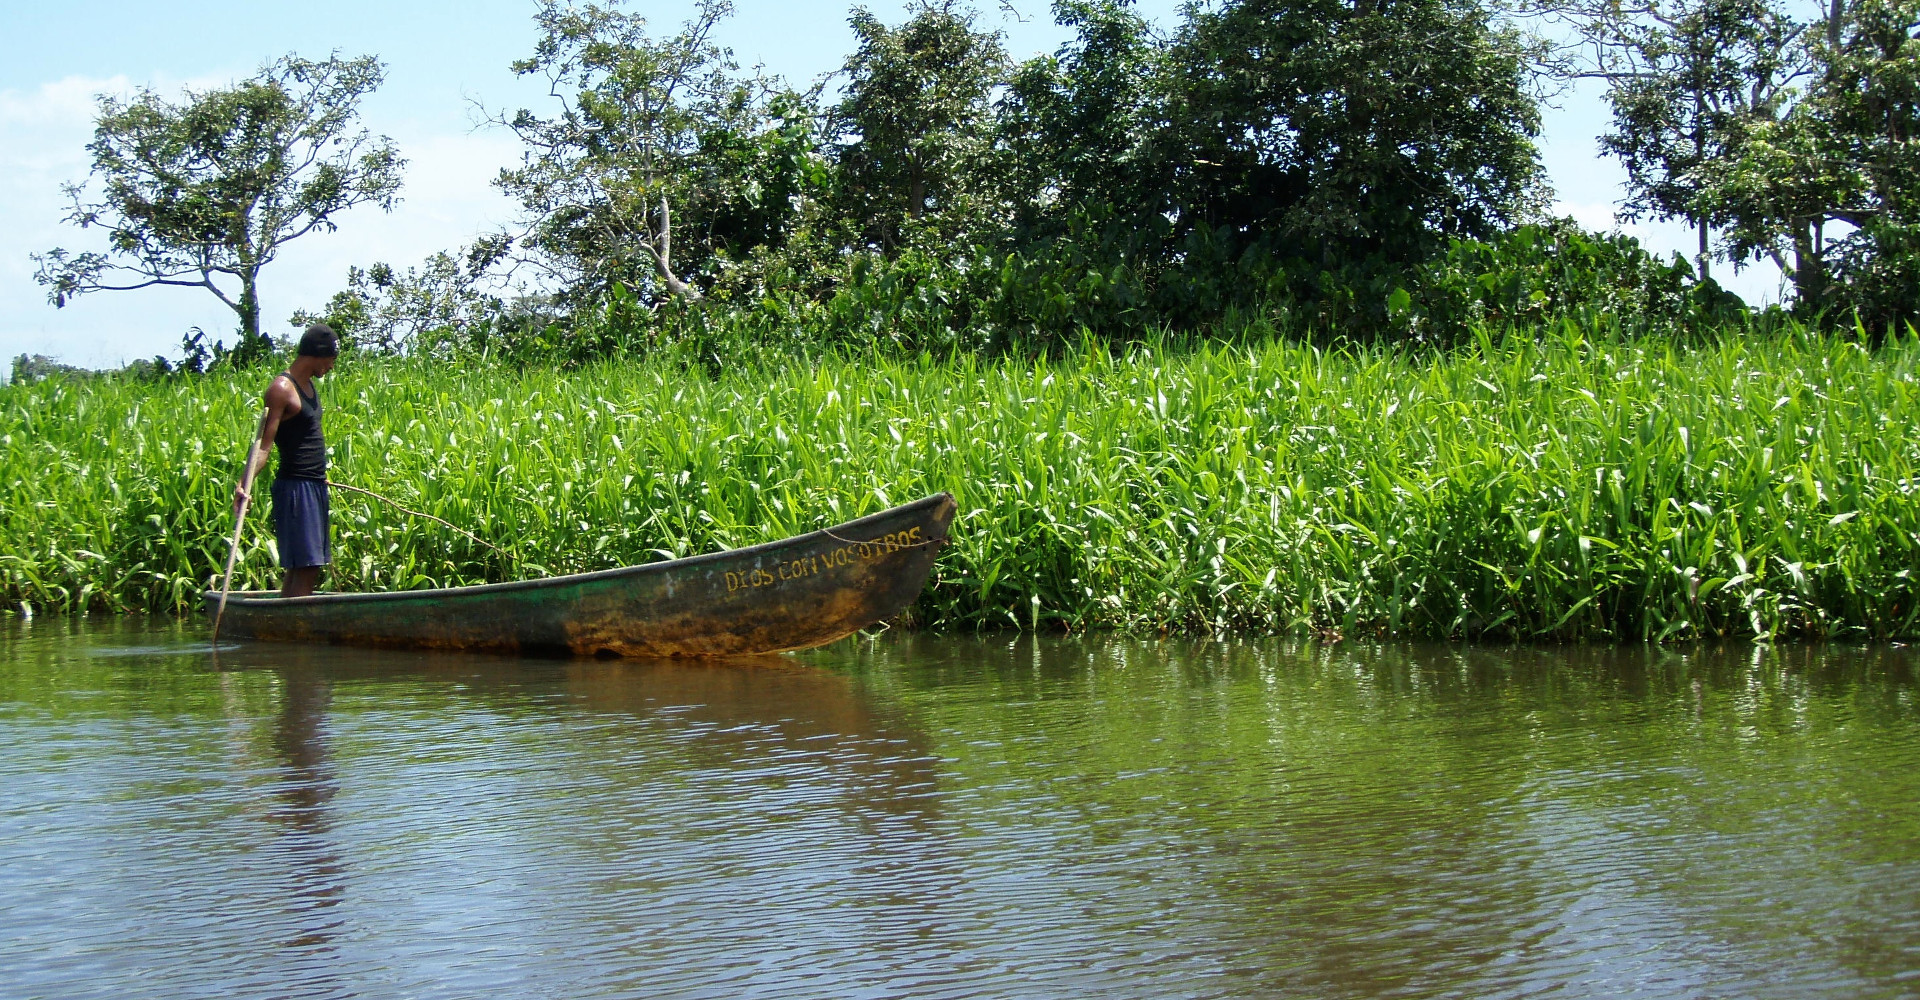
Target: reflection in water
point(960, 817)
point(316, 872)
point(1416, 821)
point(748, 712)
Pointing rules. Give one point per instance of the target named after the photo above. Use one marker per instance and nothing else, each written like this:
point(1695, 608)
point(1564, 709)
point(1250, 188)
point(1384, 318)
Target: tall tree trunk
point(253, 344)
point(662, 251)
point(1700, 158)
point(917, 197)
point(249, 310)
point(1700, 222)
point(1809, 269)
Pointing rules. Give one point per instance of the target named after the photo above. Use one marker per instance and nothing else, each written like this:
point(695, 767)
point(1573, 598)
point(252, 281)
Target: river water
point(956, 817)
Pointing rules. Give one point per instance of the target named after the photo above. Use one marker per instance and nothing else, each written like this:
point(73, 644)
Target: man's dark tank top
point(303, 450)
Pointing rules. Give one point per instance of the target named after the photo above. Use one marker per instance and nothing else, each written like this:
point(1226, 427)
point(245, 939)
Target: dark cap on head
point(319, 342)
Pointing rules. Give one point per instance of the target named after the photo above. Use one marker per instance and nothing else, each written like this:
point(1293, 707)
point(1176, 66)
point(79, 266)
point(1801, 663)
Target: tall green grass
point(1564, 485)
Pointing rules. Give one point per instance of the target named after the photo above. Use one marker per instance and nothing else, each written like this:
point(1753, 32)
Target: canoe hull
point(792, 594)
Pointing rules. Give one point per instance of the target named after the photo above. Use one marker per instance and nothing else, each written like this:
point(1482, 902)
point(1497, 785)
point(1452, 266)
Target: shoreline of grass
point(1557, 486)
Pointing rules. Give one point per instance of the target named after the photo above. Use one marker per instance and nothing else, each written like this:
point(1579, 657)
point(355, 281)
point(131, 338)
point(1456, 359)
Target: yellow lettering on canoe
point(845, 555)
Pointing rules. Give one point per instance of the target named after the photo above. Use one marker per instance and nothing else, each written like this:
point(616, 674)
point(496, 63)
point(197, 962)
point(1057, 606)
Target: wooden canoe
point(801, 592)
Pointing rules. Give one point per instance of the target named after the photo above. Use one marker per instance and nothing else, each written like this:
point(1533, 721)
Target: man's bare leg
point(300, 582)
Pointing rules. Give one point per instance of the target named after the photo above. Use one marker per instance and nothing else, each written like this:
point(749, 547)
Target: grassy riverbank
point(1568, 487)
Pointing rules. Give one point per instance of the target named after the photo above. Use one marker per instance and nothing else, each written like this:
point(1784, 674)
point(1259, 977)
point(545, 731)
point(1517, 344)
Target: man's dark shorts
point(300, 519)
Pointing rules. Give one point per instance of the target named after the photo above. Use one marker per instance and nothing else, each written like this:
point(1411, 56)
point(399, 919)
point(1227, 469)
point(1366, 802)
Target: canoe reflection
point(766, 710)
point(774, 709)
point(619, 799)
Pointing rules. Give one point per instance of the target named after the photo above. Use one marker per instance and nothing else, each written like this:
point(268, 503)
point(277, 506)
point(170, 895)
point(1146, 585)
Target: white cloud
point(43, 135)
point(448, 200)
point(69, 101)
point(1596, 217)
point(1758, 284)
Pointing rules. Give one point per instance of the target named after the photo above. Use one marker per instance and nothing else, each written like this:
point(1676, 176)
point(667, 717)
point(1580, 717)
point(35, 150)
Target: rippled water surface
point(942, 817)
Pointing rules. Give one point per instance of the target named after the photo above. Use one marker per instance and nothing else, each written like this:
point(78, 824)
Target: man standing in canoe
point(301, 513)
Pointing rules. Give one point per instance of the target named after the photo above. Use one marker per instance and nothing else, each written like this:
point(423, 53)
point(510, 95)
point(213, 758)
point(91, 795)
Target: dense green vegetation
point(1569, 482)
point(1250, 321)
point(1355, 167)
point(1365, 168)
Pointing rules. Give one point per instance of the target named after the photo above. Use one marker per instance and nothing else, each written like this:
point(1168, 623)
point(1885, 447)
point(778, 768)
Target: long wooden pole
point(416, 513)
point(239, 519)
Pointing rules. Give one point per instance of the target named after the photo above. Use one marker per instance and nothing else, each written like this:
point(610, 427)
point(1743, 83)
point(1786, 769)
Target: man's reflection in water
point(306, 785)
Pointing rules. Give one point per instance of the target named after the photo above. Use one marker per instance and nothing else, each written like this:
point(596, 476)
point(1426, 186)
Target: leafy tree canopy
point(204, 192)
point(916, 123)
point(1348, 129)
point(654, 142)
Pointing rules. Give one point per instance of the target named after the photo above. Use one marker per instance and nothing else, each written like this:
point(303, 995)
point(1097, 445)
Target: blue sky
point(442, 58)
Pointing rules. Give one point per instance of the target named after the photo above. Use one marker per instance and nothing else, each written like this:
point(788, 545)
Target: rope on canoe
point(417, 513)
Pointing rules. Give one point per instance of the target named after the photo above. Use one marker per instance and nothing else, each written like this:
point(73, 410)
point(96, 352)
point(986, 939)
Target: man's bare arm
point(280, 395)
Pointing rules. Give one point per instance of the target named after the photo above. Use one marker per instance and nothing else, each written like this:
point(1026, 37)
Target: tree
point(1794, 138)
point(205, 192)
point(657, 144)
point(917, 120)
point(1868, 99)
point(1347, 130)
point(1847, 151)
point(28, 369)
point(1686, 79)
point(1073, 124)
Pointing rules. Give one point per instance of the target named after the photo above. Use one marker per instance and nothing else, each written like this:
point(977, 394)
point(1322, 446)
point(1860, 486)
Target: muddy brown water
point(929, 816)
